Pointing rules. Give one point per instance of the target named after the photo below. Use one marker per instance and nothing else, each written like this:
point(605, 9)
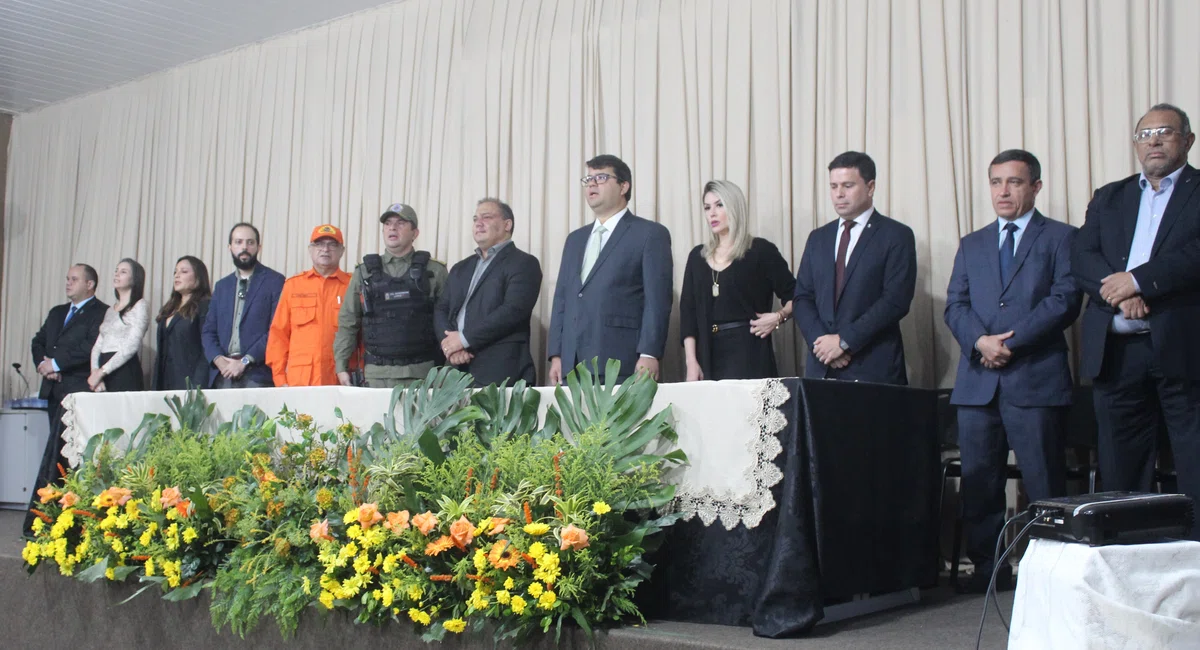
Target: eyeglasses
point(1164, 133)
point(599, 179)
point(326, 245)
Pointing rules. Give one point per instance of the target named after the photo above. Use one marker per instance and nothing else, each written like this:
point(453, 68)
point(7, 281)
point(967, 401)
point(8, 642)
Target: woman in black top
point(729, 287)
point(181, 358)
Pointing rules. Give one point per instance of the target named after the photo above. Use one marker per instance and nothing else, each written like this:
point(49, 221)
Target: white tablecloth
point(728, 430)
point(1136, 597)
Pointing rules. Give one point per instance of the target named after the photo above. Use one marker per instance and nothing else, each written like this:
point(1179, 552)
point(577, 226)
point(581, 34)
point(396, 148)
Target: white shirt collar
point(863, 218)
point(79, 305)
point(1021, 221)
point(612, 222)
point(1173, 177)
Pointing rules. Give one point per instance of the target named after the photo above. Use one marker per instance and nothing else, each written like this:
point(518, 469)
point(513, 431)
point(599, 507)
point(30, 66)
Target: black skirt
point(738, 354)
point(126, 378)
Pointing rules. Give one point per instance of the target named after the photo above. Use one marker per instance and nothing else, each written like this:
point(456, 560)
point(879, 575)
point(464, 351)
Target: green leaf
point(94, 572)
point(185, 593)
point(582, 621)
point(122, 572)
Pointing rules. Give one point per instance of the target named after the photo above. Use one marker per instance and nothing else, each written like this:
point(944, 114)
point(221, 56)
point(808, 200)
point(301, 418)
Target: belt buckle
point(715, 329)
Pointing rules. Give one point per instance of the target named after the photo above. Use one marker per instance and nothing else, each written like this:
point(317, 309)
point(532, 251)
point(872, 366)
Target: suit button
point(580, 294)
point(1002, 305)
point(1124, 259)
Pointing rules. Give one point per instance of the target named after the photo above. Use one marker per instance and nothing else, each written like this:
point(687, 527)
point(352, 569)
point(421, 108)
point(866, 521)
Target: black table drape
point(856, 512)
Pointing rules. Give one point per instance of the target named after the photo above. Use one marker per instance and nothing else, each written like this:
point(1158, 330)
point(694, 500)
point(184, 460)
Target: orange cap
point(327, 230)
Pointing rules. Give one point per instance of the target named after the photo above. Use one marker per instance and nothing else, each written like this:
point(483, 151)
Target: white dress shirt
point(862, 220)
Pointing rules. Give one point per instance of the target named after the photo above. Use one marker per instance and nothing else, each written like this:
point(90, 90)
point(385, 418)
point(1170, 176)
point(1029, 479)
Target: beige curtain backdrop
point(440, 102)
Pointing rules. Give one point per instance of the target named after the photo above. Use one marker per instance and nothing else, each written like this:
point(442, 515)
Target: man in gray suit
point(613, 297)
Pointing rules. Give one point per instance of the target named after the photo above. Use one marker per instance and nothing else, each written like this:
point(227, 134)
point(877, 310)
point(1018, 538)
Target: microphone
point(17, 367)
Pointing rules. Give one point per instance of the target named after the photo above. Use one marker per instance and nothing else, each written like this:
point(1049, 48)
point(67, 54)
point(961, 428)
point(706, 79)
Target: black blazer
point(181, 352)
point(1170, 281)
point(881, 279)
point(69, 346)
point(498, 314)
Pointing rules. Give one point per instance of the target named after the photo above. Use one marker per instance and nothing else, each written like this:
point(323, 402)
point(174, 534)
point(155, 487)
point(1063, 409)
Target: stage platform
point(47, 610)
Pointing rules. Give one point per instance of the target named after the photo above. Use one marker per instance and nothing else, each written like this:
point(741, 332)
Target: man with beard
point(239, 316)
point(390, 300)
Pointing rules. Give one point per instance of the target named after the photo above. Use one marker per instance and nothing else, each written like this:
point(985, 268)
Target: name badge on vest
point(396, 295)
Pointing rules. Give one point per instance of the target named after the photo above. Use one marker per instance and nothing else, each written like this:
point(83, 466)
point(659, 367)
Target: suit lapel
point(826, 259)
point(499, 260)
point(1130, 207)
point(990, 251)
point(76, 318)
point(1179, 198)
point(613, 240)
point(1036, 224)
point(860, 247)
point(250, 293)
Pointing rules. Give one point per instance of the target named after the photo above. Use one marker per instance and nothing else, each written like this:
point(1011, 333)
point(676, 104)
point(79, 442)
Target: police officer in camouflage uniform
point(390, 300)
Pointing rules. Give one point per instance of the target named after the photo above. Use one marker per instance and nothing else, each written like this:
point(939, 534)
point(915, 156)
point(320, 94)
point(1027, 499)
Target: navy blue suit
point(623, 308)
point(261, 298)
point(880, 279)
point(1144, 382)
point(1021, 405)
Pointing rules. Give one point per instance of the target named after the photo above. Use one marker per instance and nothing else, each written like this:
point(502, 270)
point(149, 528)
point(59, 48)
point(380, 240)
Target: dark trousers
point(1134, 402)
point(985, 435)
point(51, 459)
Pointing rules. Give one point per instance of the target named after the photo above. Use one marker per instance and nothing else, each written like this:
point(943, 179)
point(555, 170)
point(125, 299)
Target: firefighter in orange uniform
point(300, 346)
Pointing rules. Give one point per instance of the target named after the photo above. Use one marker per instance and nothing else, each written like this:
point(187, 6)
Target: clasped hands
point(828, 350)
point(229, 368)
point(1120, 291)
point(456, 353)
point(991, 347)
point(46, 370)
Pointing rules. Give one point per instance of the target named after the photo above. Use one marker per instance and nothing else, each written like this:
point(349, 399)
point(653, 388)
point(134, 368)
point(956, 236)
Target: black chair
point(1081, 435)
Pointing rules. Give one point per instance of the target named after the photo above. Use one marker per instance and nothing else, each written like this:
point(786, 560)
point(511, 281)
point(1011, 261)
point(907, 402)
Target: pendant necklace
point(716, 285)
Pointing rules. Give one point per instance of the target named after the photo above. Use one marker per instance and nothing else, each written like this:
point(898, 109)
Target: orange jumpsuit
point(300, 345)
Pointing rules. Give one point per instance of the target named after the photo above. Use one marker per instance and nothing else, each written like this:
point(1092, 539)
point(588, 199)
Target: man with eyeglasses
point(614, 291)
point(1137, 257)
point(239, 315)
point(300, 348)
point(483, 315)
point(390, 300)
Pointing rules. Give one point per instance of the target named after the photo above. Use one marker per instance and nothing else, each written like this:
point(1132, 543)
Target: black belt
point(721, 327)
point(402, 361)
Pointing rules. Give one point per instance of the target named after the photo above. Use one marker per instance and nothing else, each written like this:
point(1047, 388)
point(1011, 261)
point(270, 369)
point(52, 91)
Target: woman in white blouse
point(115, 363)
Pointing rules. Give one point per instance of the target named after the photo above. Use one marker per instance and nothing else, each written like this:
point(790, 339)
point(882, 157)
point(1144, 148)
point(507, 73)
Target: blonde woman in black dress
point(729, 287)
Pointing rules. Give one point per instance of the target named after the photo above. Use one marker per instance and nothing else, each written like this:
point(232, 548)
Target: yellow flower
point(324, 499)
point(110, 574)
point(536, 529)
point(388, 596)
point(537, 550)
point(455, 625)
point(601, 508)
point(362, 563)
point(30, 553)
point(518, 604)
point(390, 562)
point(149, 568)
point(480, 559)
point(418, 616)
point(535, 589)
point(306, 586)
point(38, 525)
point(503, 596)
point(351, 516)
point(477, 600)
point(117, 545)
point(131, 508)
point(415, 592)
point(189, 535)
point(547, 600)
point(326, 599)
point(548, 568)
point(354, 532)
point(509, 584)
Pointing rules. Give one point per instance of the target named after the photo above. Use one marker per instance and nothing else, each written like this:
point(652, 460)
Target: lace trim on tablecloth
point(73, 442)
point(764, 445)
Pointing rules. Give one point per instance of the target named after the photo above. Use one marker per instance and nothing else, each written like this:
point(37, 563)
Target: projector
point(1112, 518)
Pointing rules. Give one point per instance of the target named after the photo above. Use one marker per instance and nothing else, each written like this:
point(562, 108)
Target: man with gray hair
point(484, 313)
point(1137, 257)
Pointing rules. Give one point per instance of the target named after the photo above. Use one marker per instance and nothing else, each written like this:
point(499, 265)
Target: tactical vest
point(397, 313)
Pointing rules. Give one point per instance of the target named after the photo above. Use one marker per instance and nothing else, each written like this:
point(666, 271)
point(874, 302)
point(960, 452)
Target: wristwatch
point(246, 360)
point(844, 345)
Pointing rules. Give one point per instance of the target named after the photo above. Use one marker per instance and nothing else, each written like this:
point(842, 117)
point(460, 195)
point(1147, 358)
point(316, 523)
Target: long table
point(823, 490)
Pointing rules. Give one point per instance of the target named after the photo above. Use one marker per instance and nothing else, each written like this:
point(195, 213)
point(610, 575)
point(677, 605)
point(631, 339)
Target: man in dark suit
point(1138, 259)
point(485, 309)
point(1010, 297)
point(62, 349)
point(614, 292)
point(856, 281)
point(239, 316)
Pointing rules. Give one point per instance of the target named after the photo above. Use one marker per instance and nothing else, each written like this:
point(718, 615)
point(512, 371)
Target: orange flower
point(170, 497)
point(443, 543)
point(503, 558)
point(396, 521)
point(573, 538)
point(425, 522)
point(48, 493)
point(462, 532)
point(69, 499)
point(184, 508)
point(319, 532)
point(113, 496)
point(368, 515)
point(498, 524)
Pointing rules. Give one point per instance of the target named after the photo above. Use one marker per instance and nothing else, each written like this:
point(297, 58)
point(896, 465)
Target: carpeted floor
point(941, 620)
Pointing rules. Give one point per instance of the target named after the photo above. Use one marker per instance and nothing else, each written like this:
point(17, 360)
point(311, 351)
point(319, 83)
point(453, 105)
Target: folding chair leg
point(957, 552)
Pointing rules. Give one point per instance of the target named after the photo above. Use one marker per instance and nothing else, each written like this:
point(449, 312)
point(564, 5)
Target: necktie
point(593, 251)
point(1007, 252)
point(839, 269)
point(71, 314)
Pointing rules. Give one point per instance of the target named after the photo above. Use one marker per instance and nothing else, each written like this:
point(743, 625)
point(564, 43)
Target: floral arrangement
point(458, 513)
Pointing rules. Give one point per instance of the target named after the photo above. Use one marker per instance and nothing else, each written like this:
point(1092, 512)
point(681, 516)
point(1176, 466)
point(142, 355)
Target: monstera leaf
point(431, 410)
point(506, 412)
point(193, 411)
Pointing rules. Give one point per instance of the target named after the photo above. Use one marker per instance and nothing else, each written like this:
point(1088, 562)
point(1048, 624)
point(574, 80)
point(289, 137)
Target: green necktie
point(593, 251)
